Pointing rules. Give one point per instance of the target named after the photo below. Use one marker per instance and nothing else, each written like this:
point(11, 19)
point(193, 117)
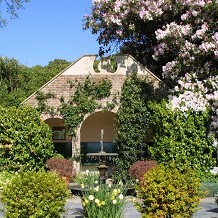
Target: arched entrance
point(90, 136)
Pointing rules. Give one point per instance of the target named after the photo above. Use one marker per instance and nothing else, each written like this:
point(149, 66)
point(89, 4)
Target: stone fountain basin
point(98, 154)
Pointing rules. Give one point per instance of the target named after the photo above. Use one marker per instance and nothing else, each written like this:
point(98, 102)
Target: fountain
point(102, 155)
point(102, 168)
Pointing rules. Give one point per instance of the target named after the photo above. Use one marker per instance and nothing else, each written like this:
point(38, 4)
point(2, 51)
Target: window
point(58, 133)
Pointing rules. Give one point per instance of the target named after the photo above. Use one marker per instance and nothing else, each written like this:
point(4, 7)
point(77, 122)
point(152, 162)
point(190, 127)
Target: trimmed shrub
point(25, 141)
point(139, 168)
point(63, 167)
point(167, 192)
point(34, 194)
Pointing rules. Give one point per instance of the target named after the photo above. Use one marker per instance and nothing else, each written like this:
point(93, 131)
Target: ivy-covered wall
point(62, 86)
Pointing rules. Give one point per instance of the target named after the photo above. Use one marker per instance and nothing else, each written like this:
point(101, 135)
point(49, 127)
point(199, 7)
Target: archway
point(90, 136)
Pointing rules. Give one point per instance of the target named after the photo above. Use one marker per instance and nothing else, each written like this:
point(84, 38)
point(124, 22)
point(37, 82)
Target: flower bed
point(101, 200)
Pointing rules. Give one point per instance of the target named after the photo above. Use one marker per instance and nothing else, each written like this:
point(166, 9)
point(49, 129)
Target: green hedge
point(25, 141)
point(182, 138)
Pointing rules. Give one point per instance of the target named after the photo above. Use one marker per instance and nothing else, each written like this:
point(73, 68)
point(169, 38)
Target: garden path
point(209, 209)
point(74, 206)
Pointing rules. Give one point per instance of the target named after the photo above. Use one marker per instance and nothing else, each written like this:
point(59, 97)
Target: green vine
point(84, 100)
point(111, 104)
point(132, 123)
point(42, 102)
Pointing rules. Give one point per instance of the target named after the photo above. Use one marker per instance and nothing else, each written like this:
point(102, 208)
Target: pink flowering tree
point(176, 39)
point(179, 34)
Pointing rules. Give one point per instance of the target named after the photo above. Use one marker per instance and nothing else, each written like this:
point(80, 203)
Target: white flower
point(120, 182)
point(97, 201)
point(114, 201)
point(96, 182)
point(121, 197)
point(82, 186)
point(214, 171)
point(215, 143)
point(91, 197)
point(87, 171)
point(96, 188)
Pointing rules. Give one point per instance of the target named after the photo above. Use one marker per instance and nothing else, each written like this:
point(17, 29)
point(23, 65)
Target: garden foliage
point(34, 194)
point(139, 168)
point(83, 101)
point(5, 177)
point(132, 122)
point(19, 81)
point(165, 191)
point(181, 137)
point(63, 167)
point(25, 141)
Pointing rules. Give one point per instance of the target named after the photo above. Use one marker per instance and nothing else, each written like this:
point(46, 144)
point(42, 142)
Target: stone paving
point(209, 209)
point(74, 209)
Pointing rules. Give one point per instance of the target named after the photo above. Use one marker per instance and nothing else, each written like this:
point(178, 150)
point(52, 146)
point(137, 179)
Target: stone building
point(88, 132)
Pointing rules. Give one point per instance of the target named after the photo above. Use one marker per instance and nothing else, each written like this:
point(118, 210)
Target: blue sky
point(48, 30)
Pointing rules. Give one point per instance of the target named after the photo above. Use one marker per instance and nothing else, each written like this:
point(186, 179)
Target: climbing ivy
point(132, 119)
point(42, 102)
point(83, 101)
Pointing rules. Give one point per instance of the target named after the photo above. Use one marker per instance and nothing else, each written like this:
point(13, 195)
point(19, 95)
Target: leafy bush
point(5, 177)
point(139, 168)
point(57, 155)
point(34, 194)
point(167, 192)
point(63, 167)
point(182, 137)
point(25, 141)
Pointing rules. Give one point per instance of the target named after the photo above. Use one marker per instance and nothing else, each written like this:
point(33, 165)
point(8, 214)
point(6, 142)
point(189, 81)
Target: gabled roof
point(125, 64)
